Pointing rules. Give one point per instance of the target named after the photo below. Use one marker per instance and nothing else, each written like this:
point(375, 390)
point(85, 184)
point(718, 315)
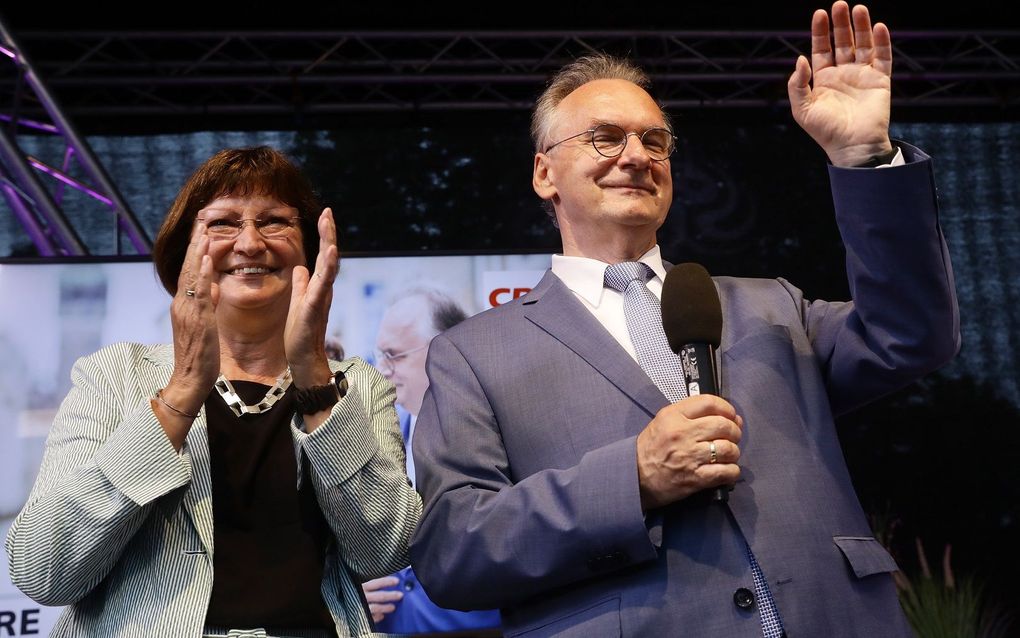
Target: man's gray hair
point(598, 66)
point(444, 311)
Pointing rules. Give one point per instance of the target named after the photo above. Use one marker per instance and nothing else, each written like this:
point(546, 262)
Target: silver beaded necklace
point(239, 407)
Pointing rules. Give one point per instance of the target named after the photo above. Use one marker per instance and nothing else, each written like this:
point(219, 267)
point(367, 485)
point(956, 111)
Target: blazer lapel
point(553, 308)
point(197, 498)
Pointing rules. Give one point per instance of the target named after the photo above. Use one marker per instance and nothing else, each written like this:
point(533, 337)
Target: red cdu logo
point(503, 286)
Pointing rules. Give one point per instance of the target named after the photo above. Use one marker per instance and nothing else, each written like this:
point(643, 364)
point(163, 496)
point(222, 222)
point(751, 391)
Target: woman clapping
point(236, 480)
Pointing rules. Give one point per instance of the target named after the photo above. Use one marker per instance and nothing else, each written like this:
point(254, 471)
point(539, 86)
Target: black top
point(270, 538)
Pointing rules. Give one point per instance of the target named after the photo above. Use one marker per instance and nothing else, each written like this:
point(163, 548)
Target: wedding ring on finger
point(189, 292)
point(712, 455)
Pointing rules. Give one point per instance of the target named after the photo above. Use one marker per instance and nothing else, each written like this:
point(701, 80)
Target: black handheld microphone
point(692, 320)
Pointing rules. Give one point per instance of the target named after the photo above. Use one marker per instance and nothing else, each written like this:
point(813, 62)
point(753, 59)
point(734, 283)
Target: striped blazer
point(119, 526)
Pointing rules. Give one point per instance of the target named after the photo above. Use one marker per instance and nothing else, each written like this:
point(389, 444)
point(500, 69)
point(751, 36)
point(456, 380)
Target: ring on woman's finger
point(189, 292)
point(712, 455)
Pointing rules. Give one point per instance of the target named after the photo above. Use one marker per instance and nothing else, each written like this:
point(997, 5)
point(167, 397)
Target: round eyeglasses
point(270, 226)
point(388, 359)
point(609, 140)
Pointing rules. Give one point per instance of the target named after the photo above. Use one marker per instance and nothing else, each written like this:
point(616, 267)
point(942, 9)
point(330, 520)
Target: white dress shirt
point(586, 279)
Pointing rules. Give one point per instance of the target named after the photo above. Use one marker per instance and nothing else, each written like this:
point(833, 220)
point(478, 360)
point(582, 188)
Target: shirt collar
point(586, 277)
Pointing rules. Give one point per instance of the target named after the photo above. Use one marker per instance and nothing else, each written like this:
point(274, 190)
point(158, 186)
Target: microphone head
point(691, 312)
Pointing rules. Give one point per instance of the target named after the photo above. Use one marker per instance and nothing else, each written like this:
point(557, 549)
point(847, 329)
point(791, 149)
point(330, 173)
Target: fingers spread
point(842, 33)
point(798, 87)
point(862, 34)
point(821, 46)
point(881, 56)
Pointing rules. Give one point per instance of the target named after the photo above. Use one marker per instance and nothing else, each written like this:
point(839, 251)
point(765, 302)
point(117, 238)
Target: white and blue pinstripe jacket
point(119, 526)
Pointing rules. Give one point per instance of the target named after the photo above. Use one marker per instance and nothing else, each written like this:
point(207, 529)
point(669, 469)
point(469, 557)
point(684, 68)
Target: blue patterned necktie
point(644, 325)
point(643, 314)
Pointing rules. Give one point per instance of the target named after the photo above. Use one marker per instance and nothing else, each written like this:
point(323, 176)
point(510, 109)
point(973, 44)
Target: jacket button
point(613, 560)
point(743, 598)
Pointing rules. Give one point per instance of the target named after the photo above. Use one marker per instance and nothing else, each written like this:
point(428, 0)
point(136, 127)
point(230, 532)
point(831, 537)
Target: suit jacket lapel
point(197, 498)
point(553, 308)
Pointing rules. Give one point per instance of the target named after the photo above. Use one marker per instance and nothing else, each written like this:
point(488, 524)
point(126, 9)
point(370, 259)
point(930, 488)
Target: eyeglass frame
point(391, 359)
point(292, 223)
point(626, 140)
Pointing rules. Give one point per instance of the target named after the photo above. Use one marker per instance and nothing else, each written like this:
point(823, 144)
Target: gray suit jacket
point(525, 447)
point(119, 526)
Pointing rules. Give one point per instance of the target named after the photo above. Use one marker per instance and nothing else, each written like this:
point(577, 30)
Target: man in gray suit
point(560, 483)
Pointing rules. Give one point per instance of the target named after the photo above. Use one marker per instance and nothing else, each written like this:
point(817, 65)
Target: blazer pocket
point(757, 337)
point(865, 555)
point(762, 360)
point(601, 619)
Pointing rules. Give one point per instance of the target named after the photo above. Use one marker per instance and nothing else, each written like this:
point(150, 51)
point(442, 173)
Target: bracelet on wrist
point(159, 397)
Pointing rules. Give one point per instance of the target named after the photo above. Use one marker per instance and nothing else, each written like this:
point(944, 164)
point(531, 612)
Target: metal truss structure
point(197, 74)
point(121, 81)
point(33, 188)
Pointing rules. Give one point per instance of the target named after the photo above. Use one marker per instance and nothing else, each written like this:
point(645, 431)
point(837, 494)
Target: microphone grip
point(698, 363)
point(701, 377)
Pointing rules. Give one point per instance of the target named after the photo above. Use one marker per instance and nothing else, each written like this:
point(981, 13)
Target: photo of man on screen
point(397, 602)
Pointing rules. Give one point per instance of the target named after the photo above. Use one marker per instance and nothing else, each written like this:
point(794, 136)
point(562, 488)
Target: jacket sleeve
point(357, 468)
point(105, 463)
point(904, 321)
